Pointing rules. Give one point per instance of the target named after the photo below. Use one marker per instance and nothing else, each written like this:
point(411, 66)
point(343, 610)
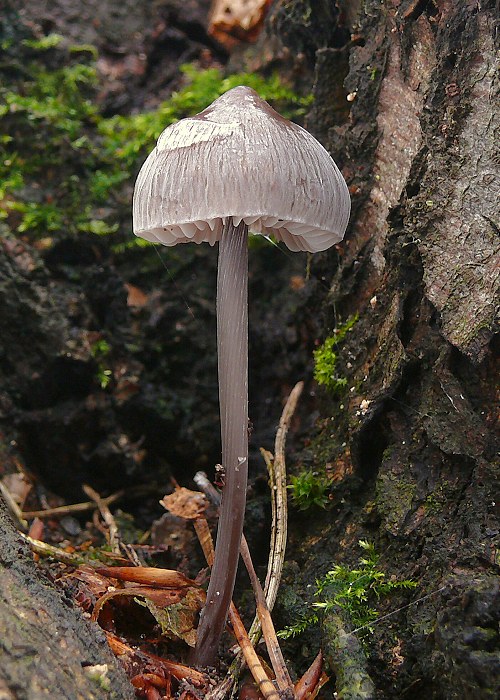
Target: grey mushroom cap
point(239, 158)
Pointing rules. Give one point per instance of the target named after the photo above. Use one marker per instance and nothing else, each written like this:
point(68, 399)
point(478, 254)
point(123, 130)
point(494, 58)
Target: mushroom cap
point(239, 158)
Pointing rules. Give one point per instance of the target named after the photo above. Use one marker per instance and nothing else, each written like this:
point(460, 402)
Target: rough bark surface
point(47, 647)
point(411, 446)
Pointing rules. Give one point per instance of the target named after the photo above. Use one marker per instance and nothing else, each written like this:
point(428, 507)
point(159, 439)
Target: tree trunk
point(411, 443)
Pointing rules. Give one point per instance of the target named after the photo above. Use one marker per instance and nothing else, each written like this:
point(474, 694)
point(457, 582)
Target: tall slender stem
point(232, 347)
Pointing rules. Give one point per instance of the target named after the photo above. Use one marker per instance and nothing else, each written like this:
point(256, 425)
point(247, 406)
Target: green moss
point(64, 167)
point(355, 591)
point(309, 489)
point(325, 359)
point(128, 136)
point(45, 43)
point(46, 165)
point(100, 350)
point(394, 499)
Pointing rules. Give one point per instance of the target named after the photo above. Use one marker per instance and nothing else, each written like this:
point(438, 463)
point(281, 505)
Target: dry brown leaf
point(37, 529)
point(185, 503)
point(177, 621)
point(90, 586)
point(161, 598)
point(135, 296)
point(147, 575)
point(232, 21)
point(308, 687)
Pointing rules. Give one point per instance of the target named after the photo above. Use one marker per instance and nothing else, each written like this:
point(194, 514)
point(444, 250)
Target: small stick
point(252, 660)
point(131, 554)
point(11, 504)
point(283, 680)
point(114, 539)
point(72, 508)
point(47, 550)
point(280, 520)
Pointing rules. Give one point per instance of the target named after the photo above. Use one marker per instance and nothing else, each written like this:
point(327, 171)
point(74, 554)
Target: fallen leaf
point(135, 296)
point(162, 598)
point(232, 21)
point(147, 575)
point(185, 503)
point(308, 687)
point(177, 621)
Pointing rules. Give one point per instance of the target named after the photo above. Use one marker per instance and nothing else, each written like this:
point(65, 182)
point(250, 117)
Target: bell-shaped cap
point(239, 158)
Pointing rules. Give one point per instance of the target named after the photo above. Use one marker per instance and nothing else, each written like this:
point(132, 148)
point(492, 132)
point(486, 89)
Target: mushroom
point(236, 165)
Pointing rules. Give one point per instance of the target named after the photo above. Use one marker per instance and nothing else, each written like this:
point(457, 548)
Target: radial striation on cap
point(239, 158)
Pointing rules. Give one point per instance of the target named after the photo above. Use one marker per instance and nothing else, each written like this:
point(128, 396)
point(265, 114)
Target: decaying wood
point(346, 659)
point(415, 430)
point(47, 647)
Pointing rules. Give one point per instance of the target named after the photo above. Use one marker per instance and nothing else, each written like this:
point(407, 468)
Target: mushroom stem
point(232, 347)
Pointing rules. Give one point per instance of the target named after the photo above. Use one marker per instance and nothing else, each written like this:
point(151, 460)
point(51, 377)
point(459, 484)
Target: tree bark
point(47, 647)
point(411, 445)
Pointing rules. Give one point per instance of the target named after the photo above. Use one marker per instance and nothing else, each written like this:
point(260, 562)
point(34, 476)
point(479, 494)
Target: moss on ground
point(65, 168)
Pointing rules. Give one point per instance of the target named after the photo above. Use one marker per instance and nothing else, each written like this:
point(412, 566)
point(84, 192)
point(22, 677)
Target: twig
point(280, 519)
point(48, 550)
point(13, 507)
point(91, 505)
point(114, 540)
point(345, 657)
point(283, 680)
point(252, 660)
point(72, 508)
point(131, 554)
